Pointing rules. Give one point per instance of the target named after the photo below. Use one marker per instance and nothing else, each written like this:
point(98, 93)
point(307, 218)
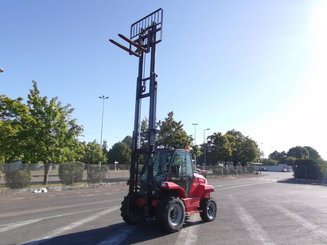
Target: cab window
point(178, 165)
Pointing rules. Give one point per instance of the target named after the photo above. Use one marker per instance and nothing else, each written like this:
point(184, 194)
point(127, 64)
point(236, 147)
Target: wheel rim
point(175, 215)
point(211, 210)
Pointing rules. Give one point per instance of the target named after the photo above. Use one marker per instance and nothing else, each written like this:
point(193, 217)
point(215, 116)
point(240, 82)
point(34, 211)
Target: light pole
point(103, 99)
point(205, 147)
point(204, 135)
point(195, 124)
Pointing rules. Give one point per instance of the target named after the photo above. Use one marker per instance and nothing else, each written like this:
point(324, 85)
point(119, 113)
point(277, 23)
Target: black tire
point(130, 216)
point(208, 209)
point(170, 214)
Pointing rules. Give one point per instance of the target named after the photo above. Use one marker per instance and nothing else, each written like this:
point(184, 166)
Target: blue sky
point(255, 66)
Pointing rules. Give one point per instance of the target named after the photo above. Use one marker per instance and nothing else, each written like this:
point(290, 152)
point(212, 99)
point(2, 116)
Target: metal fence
point(231, 170)
point(116, 172)
point(119, 172)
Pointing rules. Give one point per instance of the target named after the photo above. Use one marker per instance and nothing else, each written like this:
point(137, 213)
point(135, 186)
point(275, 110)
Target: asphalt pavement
point(260, 209)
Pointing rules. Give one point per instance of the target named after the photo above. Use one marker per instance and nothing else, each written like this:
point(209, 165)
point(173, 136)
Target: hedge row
point(309, 169)
point(69, 174)
point(96, 173)
point(220, 170)
point(18, 178)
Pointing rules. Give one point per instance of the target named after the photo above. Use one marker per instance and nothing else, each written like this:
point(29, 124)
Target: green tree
point(221, 147)
point(233, 147)
point(244, 148)
point(288, 160)
point(278, 156)
point(313, 154)
point(269, 161)
point(120, 152)
point(128, 141)
point(105, 151)
point(298, 152)
point(171, 133)
point(196, 151)
point(92, 153)
point(51, 135)
point(144, 133)
point(12, 113)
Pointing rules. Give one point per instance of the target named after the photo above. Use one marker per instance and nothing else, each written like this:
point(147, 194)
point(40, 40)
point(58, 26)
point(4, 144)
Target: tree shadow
point(303, 181)
point(120, 233)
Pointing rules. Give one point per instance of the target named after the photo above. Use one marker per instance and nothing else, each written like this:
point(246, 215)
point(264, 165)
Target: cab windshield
point(160, 163)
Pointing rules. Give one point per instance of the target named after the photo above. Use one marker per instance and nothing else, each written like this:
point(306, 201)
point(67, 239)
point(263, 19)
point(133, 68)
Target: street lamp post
point(103, 99)
point(205, 147)
point(195, 124)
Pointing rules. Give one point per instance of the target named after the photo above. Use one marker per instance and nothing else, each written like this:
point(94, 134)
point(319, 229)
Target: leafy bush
point(249, 170)
point(18, 178)
point(288, 160)
point(71, 172)
point(1, 170)
point(220, 170)
point(269, 162)
point(307, 169)
point(96, 173)
point(323, 168)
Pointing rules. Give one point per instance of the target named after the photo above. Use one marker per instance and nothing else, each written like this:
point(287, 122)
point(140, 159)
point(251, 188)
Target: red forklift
point(163, 185)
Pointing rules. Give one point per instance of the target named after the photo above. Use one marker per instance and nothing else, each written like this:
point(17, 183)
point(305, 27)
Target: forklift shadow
point(190, 222)
point(120, 233)
point(91, 237)
point(150, 231)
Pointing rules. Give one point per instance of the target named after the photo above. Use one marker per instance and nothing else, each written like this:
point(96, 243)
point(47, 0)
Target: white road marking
point(188, 235)
point(72, 226)
point(316, 231)
point(256, 232)
point(17, 213)
point(79, 223)
point(119, 236)
point(96, 193)
point(8, 227)
point(11, 226)
point(245, 185)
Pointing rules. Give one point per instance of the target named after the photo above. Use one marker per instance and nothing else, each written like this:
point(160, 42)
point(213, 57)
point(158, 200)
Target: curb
point(304, 181)
point(60, 188)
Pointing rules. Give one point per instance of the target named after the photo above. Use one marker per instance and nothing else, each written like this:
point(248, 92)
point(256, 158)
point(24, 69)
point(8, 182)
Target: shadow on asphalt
point(303, 182)
point(113, 234)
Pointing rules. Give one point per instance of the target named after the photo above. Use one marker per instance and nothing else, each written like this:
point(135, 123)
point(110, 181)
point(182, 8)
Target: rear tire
point(171, 214)
point(208, 209)
point(130, 216)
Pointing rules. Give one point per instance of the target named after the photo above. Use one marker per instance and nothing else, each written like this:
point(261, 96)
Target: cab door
point(181, 171)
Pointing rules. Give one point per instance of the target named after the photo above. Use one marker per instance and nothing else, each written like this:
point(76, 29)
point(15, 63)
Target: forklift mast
point(145, 34)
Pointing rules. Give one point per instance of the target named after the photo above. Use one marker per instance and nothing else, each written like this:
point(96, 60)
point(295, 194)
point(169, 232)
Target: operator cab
point(169, 165)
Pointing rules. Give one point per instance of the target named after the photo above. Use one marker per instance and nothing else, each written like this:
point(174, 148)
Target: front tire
point(171, 214)
point(130, 216)
point(208, 209)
